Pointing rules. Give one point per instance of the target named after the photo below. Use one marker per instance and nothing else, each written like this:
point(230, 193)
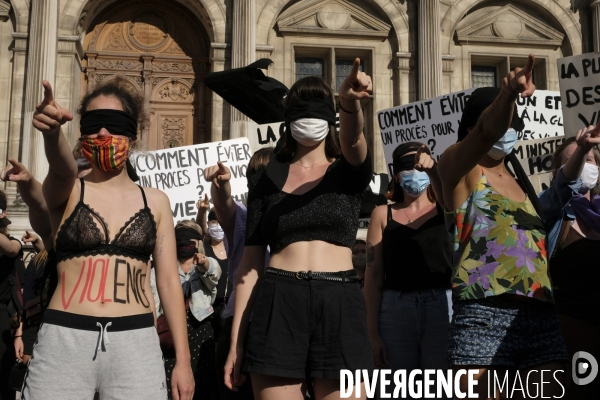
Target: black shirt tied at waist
point(417, 259)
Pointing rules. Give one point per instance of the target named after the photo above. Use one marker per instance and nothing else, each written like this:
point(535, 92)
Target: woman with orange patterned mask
point(98, 332)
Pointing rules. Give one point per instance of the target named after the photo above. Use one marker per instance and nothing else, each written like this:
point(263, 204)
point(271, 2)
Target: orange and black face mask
point(107, 153)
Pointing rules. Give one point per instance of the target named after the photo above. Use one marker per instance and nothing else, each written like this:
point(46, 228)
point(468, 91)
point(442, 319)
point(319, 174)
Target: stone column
point(430, 54)
point(596, 16)
point(219, 118)
point(147, 78)
point(41, 64)
point(243, 52)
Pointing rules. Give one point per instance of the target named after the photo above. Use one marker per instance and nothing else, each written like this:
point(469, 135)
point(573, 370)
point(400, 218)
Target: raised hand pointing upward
point(357, 84)
point(49, 116)
point(519, 81)
point(217, 174)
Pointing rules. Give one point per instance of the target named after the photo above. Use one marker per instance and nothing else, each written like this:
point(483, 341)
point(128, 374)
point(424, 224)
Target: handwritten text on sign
point(542, 115)
point(536, 155)
point(579, 79)
point(433, 122)
point(179, 172)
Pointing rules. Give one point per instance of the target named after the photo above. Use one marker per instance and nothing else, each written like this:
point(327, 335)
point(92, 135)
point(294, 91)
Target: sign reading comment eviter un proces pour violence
point(179, 172)
point(435, 122)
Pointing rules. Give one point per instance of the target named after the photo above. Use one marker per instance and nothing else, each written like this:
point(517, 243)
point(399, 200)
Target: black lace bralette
point(80, 235)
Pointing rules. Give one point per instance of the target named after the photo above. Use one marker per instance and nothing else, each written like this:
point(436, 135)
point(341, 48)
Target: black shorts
point(308, 328)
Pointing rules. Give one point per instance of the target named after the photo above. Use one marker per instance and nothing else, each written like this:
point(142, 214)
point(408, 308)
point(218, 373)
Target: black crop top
point(417, 259)
point(80, 236)
point(328, 212)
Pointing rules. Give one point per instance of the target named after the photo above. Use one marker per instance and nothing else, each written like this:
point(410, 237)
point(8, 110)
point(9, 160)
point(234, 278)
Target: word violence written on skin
point(124, 292)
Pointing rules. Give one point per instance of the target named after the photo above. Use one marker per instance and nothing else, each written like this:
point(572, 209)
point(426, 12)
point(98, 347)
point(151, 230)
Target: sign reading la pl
point(579, 79)
point(179, 172)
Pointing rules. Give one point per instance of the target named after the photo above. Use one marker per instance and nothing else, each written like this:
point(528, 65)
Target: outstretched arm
point(352, 140)
point(424, 163)
point(48, 118)
point(586, 139)
point(31, 192)
point(202, 206)
point(461, 158)
point(171, 296)
point(220, 192)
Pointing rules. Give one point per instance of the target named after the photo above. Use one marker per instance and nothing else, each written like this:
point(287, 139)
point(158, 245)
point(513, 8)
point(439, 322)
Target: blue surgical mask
point(414, 182)
point(505, 145)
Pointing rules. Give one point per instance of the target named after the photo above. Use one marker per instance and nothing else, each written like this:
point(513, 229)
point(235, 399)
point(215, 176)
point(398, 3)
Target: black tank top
point(417, 259)
point(575, 276)
point(224, 287)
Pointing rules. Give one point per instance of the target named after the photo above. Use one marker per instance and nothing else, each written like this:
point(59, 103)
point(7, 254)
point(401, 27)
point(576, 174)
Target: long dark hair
point(310, 87)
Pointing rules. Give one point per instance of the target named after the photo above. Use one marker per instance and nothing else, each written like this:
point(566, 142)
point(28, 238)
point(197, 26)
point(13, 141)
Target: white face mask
point(309, 131)
point(216, 232)
point(589, 178)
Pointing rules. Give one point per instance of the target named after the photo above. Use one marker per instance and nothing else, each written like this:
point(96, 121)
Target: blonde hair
point(188, 223)
point(40, 259)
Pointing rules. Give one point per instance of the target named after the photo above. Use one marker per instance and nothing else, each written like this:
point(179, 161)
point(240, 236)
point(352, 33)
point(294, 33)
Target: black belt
point(342, 276)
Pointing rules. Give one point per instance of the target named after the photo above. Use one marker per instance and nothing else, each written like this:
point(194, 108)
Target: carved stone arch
point(563, 17)
point(173, 89)
point(21, 11)
point(395, 12)
point(78, 15)
point(131, 83)
point(160, 51)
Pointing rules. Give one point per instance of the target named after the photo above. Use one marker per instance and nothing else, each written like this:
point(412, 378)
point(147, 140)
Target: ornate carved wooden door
point(161, 53)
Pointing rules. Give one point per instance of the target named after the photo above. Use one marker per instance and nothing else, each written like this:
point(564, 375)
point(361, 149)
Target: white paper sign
point(542, 114)
point(579, 79)
point(536, 155)
point(433, 122)
point(179, 172)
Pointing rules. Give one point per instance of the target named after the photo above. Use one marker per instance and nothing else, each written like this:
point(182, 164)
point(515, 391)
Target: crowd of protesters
point(273, 298)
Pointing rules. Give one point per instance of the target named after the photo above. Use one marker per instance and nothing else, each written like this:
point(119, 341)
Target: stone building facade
point(413, 49)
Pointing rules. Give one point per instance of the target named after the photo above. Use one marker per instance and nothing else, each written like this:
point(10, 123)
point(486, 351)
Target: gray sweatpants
point(71, 363)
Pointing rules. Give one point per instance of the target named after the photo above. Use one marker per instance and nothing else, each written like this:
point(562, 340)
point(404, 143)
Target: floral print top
point(499, 247)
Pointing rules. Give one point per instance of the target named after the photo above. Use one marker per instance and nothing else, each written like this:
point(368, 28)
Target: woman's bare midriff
point(315, 255)
point(102, 286)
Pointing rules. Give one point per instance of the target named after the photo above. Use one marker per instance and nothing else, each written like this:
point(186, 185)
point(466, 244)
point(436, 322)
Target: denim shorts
point(500, 331)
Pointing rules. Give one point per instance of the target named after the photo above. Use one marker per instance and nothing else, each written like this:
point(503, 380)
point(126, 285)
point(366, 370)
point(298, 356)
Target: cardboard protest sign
point(433, 122)
point(542, 114)
point(536, 155)
point(579, 79)
point(179, 172)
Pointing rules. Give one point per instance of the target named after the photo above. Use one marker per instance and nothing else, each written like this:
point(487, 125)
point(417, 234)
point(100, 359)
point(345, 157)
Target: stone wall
point(413, 49)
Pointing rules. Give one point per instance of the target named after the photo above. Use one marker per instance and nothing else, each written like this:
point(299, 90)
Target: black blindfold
point(313, 108)
point(184, 236)
point(403, 162)
point(114, 121)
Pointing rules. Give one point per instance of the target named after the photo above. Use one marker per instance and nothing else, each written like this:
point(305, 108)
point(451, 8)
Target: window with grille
point(342, 69)
point(309, 67)
point(483, 76)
